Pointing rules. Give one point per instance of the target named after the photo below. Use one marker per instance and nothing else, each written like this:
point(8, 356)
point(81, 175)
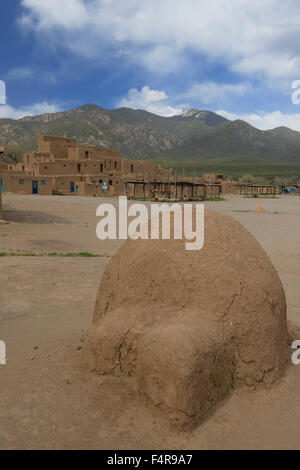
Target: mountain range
point(196, 140)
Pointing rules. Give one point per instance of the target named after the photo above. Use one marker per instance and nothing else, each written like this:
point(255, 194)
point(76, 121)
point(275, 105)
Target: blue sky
point(235, 57)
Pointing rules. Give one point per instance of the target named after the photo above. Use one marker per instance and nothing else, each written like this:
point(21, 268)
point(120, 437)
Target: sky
point(239, 58)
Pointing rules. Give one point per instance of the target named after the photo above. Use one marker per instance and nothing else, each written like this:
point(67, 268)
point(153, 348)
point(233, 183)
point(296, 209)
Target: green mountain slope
point(198, 140)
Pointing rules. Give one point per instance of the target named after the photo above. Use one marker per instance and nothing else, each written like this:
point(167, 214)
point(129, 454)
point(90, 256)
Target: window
point(43, 182)
point(131, 168)
point(21, 181)
point(115, 165)
point(110, 182)
point(45, 168)
point(101, 167)
point(78, 167)
point(86, 154)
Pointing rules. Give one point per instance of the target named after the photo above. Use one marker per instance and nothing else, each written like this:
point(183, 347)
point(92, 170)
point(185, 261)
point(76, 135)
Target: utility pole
point(175, 188)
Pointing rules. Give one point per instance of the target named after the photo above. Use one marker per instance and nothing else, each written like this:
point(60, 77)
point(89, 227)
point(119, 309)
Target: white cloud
point(154, 101)
point(20, 73)
point(29, 73)
point(162, 59)
point(248, 37)
point(7, 111)
point(158, 102)
point(211, 92)
point(266, 121)
point(45, 14)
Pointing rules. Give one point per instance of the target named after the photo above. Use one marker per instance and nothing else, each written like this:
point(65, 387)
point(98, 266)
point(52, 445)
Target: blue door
point(2, 185)
point(72, 187)
point(35, 187)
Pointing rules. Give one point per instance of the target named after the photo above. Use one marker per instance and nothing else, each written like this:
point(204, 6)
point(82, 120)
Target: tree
point(13, 154)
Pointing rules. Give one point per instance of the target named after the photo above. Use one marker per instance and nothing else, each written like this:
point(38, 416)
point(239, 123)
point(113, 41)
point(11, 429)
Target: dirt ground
point(47, 400)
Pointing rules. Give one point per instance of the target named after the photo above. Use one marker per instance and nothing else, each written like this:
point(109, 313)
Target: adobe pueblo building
point(190, 326)
point(2, 150)
point(61, 166)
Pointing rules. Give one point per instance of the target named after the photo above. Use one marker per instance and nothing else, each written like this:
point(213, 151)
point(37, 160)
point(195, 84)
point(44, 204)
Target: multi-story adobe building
point(2, 150)
point(62, 166)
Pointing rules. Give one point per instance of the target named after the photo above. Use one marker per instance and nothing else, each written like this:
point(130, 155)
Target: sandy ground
point(47, 401)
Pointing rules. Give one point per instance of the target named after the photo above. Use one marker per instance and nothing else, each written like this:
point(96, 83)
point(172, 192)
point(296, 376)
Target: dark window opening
point(78, 167)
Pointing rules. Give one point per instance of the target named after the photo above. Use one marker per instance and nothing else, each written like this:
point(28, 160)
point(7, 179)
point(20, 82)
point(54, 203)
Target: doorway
point(35, 187)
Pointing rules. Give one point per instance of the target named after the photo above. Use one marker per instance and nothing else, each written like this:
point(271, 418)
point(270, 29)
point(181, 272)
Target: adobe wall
point(3, 166)
point(93, 186)
point(44, 140)
point(22, 184)
point(0, 199)
point(6, 177)
point(34, 157)
point(63, 183)
point(84, 152)
point(56, 145)
point(133, 168)
point(229, 187)
point(59, 167)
